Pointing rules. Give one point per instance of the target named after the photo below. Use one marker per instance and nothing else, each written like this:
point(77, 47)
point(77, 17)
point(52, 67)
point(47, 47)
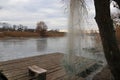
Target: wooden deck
point(18, 69)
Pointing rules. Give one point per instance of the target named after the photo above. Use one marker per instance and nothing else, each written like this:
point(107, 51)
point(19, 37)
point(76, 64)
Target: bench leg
point(31, 73)
point(41, 76)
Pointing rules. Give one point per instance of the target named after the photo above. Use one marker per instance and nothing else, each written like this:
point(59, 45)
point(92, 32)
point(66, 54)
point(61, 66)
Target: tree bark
point(118, 2)
point(107, 33)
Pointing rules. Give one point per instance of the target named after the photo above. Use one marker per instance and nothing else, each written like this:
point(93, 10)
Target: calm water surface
point(14, 48)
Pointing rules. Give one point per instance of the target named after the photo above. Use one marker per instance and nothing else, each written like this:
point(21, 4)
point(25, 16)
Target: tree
point(6, 26)
point(118, 2)
point(106, 29)
point(20, 28)
point(41, 28)
point(107, 33)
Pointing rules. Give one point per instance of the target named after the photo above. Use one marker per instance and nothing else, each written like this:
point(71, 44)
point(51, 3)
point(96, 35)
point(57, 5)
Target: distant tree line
point(41, 28)
point(20, 27)
point(55, 30)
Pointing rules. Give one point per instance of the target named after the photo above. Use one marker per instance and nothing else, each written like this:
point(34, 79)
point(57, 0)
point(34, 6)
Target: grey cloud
point(28, 12)
point(1, 7)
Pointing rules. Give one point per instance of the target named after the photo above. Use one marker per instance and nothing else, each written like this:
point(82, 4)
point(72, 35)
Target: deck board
point(18, 69)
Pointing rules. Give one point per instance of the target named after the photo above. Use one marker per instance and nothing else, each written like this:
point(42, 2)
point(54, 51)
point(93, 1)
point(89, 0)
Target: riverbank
point(55, 34)
point(29, 34)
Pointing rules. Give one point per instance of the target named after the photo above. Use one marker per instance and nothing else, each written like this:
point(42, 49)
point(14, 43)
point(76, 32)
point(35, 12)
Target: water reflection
point(25, 47)
point(41, 44)
point(11, 42)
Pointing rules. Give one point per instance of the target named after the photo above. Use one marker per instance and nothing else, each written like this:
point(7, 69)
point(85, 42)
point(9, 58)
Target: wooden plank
point(18, 69)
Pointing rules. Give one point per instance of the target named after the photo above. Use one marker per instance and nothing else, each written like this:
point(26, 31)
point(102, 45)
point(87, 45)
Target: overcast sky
point(29, 12)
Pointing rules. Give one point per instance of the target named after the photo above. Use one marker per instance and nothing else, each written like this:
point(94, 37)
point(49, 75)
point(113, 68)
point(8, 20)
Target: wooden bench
point(36, 72)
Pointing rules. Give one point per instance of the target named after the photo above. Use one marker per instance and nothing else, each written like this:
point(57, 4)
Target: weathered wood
point(37, 72)
point(18, 69)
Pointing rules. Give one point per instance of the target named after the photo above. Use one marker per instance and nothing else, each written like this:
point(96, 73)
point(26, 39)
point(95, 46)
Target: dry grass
point(20, 34)
point(55, 34)
point(29, 34)
point(1, 35)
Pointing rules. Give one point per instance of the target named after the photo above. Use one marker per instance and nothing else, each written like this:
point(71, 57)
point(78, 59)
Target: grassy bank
point(20, 34)
point(2, 35)
point(29, 34)
point(55, 34)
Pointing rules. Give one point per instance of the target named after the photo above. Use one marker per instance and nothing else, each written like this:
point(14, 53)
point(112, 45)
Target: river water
point(14, 48)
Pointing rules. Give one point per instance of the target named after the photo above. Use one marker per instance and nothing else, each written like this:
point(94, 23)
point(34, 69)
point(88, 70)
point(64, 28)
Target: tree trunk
point(107, 33)
point(118, 2)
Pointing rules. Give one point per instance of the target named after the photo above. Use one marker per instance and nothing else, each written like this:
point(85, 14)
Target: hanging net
point(80, 43)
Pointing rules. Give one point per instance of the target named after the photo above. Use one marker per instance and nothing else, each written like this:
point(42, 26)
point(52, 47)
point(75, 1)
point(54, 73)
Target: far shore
point(30, 34)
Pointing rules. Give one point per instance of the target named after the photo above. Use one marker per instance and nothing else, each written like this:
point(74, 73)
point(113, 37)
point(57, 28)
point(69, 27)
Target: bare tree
point(5, 26)
point(41, 28)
